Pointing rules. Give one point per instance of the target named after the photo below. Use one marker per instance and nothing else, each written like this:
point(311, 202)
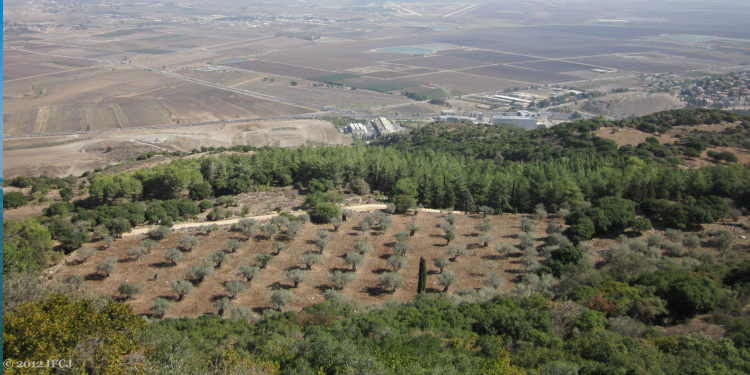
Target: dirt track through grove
point(178, 226)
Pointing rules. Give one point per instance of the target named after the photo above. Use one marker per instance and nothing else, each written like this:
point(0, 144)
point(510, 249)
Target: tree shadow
point(296, 267)
point(380, 270)
point(375, 291)
point(94, 276)
point(169, 297)
point(280, 285)
point(217, 297)
point(384, 256)
point(491, 257)
point(340, 269)
point(323, 287)
point(261, 309)
point(389, 244)
point(433, 272)
point(433, 290)
point(127, 260)
point(163, 264)
point(74, 262)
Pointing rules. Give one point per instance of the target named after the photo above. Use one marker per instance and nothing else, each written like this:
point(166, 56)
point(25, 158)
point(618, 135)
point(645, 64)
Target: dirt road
point(179, 226)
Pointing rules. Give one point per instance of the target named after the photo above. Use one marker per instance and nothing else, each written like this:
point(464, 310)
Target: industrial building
point(521, 119)
point(358, 129)
point(383, 126)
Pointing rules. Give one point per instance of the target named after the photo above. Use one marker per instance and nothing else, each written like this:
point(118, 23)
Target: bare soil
point(428, 243)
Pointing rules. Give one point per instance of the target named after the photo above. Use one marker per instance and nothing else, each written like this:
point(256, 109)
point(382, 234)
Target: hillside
point(612, 247)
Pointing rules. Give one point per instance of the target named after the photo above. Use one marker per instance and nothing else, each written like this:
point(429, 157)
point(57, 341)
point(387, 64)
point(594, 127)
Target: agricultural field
point(74, 154)
point(95, 77)
point(427, 242)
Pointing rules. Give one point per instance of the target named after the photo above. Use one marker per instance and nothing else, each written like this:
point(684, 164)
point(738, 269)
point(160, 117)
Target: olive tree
point(295, 276)
point(221, 305)
point(136, 252)
point(270, 230)
point(494, 279)
point(182, 288)
point(277, 247)
point(310, 259)
point(390, 281)
point(173, 256)
point(263, 259)
point(294, 229)
point(248, 272)
point(85, 253)
point(455, 251)
point(233, 244)
point(441, 263)
point(447, 278)
point(282, 297)
point(354, 260)
point(397, 262)
point(485, 239)
point(341, 279)
point(107, 266)
point(218, 257)
point(128, 290)
point(188, 242)
point(363, 247)
point(413, 228)
point(321, 244)
point(402, 247)
point(160, 307)
point(198, 272)
point(234, 287)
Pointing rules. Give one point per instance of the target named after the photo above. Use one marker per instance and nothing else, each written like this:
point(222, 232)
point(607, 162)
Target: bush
point(205, 205)
point(359, 187)
point(403, 203)
point(322, 213)
point(159, 233)
point(14, 199)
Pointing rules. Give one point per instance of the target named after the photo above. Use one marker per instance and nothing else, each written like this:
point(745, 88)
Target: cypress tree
point(422, 284)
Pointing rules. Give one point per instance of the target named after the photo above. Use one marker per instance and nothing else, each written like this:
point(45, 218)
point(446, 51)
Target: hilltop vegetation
point(575, 309)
